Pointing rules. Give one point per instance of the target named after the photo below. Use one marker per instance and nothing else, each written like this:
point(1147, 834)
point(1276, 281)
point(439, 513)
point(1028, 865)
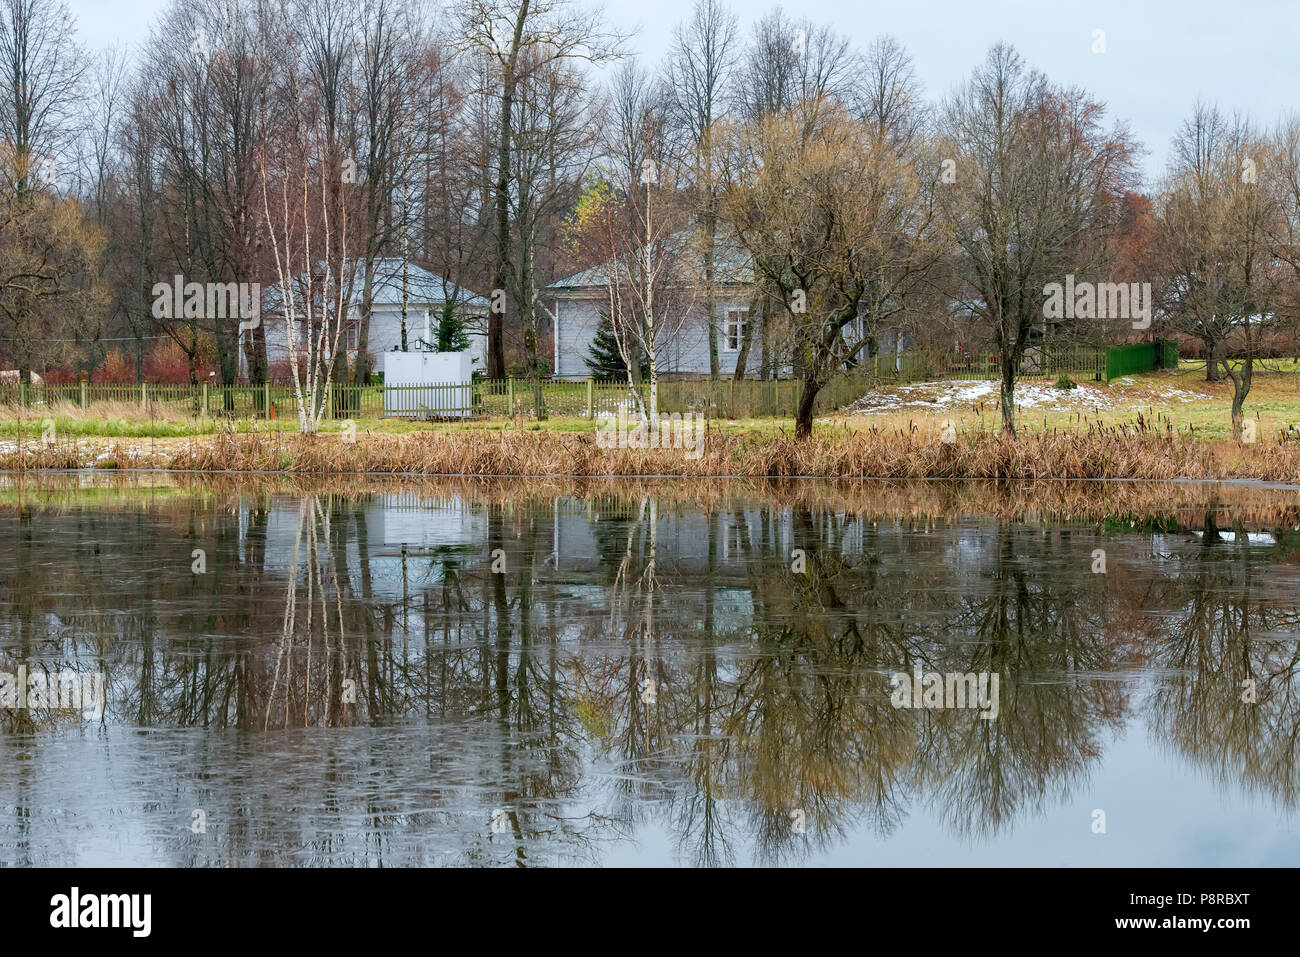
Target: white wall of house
point(385, 332)
point(686, 352)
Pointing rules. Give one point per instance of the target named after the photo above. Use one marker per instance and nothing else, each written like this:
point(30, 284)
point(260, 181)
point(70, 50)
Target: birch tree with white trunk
point(305, 217)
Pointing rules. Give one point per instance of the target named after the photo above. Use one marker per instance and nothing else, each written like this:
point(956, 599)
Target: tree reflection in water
point(351, 681)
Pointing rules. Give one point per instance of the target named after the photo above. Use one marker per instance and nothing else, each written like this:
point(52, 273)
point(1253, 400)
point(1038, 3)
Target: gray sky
point(1160, 54)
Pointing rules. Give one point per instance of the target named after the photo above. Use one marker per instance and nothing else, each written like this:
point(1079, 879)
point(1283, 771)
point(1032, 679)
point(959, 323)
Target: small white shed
point(429, 385)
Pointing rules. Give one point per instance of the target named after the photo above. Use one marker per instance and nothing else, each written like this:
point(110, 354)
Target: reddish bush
point(167, 363)
point(281, 372)
point(60, 377)
point(115, 369)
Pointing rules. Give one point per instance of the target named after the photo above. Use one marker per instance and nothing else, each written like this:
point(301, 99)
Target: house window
point(734, 330)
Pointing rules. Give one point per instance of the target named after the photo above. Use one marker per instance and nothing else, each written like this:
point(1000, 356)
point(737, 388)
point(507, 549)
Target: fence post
point(266, 399)
point(83, 393)
point(205, 400)
point(591, 397)
point(510, 395)
point(22, 394)
point(144, 395)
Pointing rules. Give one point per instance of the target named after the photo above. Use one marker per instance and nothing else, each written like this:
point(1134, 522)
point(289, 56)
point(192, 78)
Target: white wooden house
point(577, 303)
point(425, 294)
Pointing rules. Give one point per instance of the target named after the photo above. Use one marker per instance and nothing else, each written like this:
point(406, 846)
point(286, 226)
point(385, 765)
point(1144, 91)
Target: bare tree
point(454, 230)
point(890, 93)
point(519, 38)
point(555, 145)
point(1217, 226)
point(631, 222)
point(1036, 184)
point(699, 76)
point(99, 183)
point(837, 221)
point(43, 70)
point(46, 252)
point(393, 41)
point(789, 67)
point(796, 64)
point(204, 96)
point(305, 214)
point(1187, 258)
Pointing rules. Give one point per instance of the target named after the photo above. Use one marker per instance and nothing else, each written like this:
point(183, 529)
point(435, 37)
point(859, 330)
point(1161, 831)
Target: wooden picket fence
point(526, 398)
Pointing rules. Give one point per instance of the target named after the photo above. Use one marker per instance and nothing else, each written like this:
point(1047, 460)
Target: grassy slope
point(1179, 398)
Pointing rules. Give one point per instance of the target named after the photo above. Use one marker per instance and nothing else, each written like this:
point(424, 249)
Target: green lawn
point(1180, 397)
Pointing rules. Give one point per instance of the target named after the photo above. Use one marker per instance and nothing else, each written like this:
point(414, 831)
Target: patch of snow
point(1154, 392)
point(952, 395)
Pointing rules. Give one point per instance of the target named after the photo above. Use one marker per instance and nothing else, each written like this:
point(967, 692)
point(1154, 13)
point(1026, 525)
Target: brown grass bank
point(1097, 453)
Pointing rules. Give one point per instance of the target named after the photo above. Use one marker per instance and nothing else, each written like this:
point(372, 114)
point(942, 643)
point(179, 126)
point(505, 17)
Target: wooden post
point(144, 394)
point(83, 393)
point(591, 397)
point(510, 394)
point(205, 400)
point(266, 399)
point(22, 394)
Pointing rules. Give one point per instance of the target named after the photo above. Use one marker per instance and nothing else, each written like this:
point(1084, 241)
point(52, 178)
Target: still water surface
point(462, 675)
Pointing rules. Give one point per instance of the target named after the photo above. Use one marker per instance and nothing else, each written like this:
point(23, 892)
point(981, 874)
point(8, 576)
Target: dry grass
point(1120, 452)
point(900, 454)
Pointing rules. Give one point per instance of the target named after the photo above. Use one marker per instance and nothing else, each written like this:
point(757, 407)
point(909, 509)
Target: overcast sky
point(1160, 54)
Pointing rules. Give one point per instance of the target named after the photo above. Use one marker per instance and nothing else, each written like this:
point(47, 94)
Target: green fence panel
point(1141, 357)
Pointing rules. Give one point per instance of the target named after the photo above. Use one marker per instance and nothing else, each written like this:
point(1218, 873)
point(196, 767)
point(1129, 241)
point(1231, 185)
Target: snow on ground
point(1156, 392)
point(958, 395)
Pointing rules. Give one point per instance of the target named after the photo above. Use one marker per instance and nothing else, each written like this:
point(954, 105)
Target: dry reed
point(913, 453)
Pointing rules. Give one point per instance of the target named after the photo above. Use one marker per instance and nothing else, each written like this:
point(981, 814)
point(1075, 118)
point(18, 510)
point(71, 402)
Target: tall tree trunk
point(363, 322)
point(256, 354)
point(710, 289)
point(1008, 393)
point(227, 357)
point(767, 361)
point(496, 325)
point(1211, 361)
point(1240, 389)
point(804, 416)
point(529, 310)
point(742, 357)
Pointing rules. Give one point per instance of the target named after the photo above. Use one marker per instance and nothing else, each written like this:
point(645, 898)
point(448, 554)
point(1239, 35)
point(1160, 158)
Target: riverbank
point(921, 451)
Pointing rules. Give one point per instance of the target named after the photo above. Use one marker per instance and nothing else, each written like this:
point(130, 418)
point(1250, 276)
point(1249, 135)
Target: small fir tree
point(452, 336)
point(604, 359)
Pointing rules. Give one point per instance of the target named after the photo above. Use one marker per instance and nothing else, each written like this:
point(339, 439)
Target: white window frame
point(742, 325)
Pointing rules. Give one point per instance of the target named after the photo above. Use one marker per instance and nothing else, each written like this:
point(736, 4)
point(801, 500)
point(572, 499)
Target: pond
point(370, 673)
